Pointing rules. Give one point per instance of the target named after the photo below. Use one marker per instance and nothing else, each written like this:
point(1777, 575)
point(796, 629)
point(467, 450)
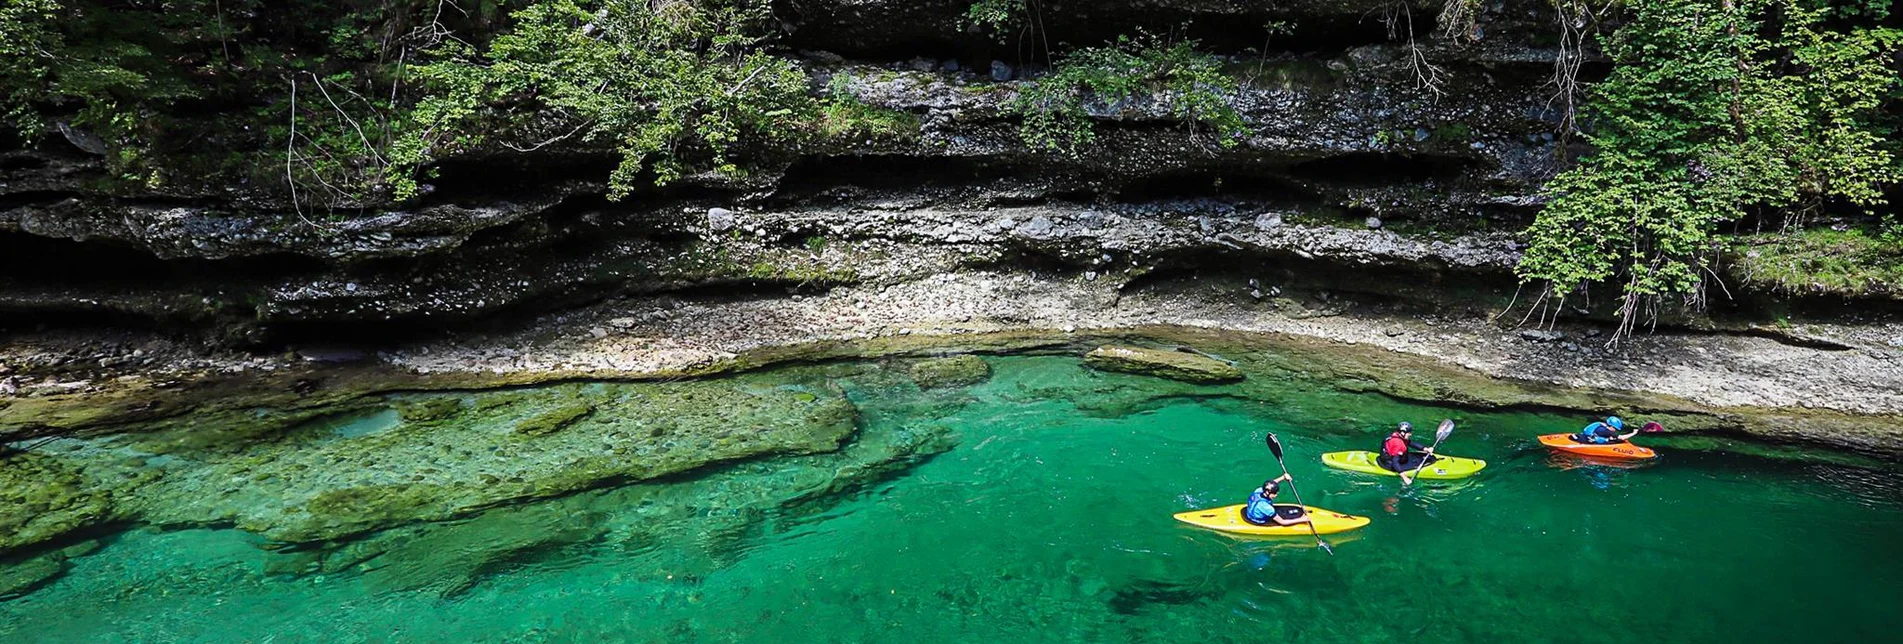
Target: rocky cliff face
point(1343, 134)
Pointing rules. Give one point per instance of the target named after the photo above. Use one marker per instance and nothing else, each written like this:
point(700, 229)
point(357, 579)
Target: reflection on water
point(1050, 521)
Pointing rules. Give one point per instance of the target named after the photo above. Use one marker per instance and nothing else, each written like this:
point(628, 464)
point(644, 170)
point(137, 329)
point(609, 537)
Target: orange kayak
point(1620, 451)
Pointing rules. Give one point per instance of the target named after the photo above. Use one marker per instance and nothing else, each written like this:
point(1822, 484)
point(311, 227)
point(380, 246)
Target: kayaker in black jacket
point(1401, 454)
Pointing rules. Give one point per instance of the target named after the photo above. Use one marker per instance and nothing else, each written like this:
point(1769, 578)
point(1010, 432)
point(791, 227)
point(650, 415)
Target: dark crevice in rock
point(818, 181)
point(1377, 168)
point(54, 261)
point(1245, 187)
point(15, 162)
point(33, 198)
point(503, 177)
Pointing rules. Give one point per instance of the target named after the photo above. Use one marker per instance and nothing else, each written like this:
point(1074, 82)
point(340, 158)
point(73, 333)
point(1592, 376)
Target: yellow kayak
point(1443, 467)
point(1229, 519)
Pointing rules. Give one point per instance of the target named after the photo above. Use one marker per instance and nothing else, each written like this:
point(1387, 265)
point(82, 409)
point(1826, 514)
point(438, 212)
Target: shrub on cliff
point(672, 85)
point(1714, 111)
point(1185, 83)
point(347, 105)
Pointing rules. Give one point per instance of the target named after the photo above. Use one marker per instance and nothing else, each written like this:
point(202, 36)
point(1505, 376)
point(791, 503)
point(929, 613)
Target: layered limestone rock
point(1340, 130)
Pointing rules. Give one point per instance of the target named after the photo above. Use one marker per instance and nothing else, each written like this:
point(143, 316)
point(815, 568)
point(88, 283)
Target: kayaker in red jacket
point(1399, 452)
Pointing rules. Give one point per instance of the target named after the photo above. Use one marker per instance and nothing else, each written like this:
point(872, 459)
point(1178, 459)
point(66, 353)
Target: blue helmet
point(1615, 423)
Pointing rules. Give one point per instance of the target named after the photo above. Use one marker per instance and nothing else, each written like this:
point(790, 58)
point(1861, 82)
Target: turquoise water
point(1050, 521)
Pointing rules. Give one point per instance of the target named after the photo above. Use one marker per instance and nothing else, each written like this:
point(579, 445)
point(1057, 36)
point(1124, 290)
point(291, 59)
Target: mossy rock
point(428, 409)
point(553, 420)
point(41, 498)
point(955, 371)
point(1174, 365)
point(321, 486)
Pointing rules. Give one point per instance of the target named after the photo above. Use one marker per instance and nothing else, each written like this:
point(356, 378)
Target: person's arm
point(1284, 477)
point(1280, 520)
point(1628, 435)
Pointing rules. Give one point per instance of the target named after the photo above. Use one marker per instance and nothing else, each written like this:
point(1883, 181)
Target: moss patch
point(553, 420)
point(955, 371)
point(42, 498)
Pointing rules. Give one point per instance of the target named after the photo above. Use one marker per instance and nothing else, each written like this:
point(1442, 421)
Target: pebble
point(1541, 335)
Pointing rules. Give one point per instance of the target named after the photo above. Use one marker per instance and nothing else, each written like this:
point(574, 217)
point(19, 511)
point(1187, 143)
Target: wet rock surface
point(1162, 363)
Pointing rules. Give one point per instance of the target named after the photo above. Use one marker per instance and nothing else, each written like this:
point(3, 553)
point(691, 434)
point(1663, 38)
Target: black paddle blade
point(1275, 446)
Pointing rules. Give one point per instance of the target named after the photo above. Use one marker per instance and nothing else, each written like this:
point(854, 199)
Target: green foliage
point(843, 117)
point(106, 73)
point(995, 16)
point(1187, 84)
point(349, 104)
point(1712, 111)
point(1852, 261)
point(674, 86)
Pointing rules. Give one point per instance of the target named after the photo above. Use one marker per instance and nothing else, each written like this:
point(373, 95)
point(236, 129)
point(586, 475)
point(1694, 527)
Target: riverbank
point(1839, 385)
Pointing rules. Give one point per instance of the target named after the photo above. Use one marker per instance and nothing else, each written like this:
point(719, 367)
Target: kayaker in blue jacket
point(1262, 509)
point(1605, 431)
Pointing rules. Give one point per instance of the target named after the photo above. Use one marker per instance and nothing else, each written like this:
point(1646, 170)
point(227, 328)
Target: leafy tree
point(673, 85)
point(1714, 110)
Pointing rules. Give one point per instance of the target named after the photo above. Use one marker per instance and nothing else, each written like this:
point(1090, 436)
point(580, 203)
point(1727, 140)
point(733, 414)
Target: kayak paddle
point(1275, 447)
point(1440, 434)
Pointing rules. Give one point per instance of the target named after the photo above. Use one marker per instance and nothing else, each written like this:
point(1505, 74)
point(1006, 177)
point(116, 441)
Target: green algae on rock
point(553, 420)
point(326, 479)
point(1174, 365)
point(955, 371)
point(43, 498)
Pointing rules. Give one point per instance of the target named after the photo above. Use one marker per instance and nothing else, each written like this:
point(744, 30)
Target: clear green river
point(1049, 520)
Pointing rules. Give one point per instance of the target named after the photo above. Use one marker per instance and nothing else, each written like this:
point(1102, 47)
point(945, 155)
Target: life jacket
point(1260, 510)
point(1394, 446)
point(1598, 433)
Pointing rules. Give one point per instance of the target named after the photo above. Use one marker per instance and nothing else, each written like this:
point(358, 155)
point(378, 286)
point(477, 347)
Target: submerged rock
point(42, 498)
point(21, 577)
point(553, 420)
point(1175, 365)
point(954, 371)
point(447, 559)
point(314, 483)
